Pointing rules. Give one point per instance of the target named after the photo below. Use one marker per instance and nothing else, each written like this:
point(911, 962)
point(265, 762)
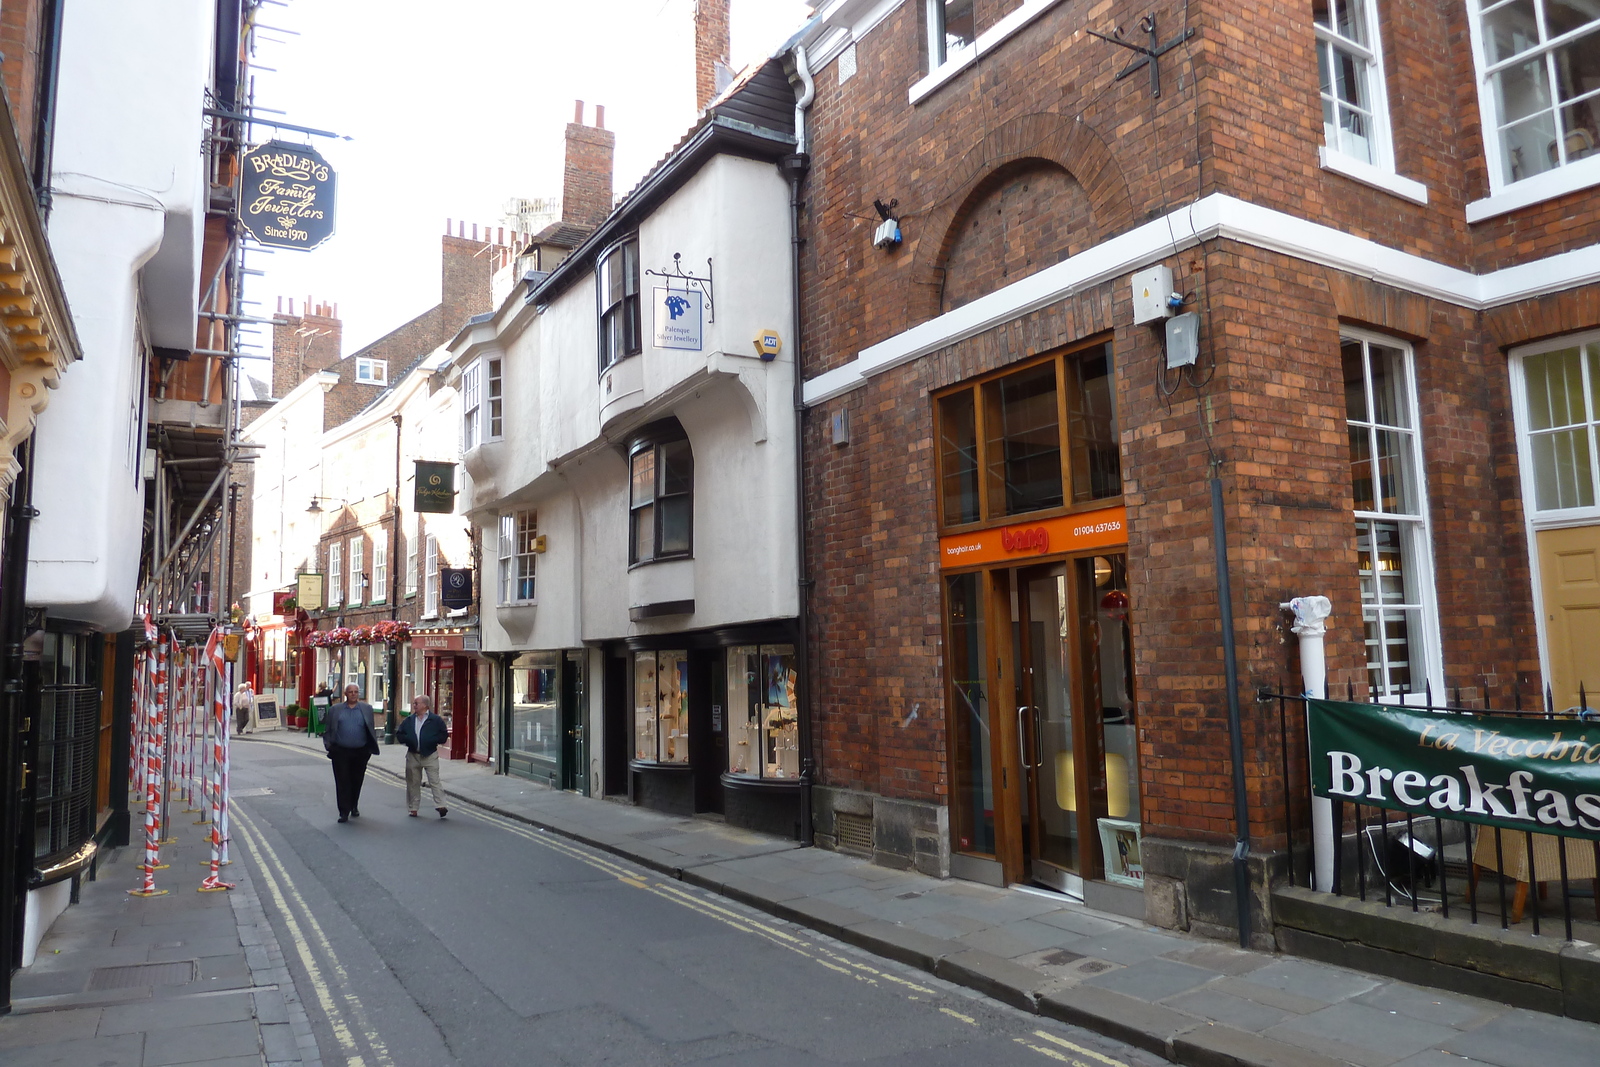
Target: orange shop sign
point(1025, 540)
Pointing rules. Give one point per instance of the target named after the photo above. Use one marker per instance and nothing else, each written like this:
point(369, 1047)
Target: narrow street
point(478, 940)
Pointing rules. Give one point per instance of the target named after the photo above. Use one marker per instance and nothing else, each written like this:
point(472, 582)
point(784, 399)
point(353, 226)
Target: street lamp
point(316, 504)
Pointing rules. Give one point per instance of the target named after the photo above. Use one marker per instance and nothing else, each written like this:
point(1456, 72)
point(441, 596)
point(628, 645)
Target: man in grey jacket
point(350, 742)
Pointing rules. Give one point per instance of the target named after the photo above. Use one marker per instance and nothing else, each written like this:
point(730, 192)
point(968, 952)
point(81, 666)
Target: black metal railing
point(1405, 855)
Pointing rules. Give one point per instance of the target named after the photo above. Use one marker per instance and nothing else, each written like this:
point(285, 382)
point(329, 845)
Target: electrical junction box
point(1151, 290)
point(888, 234)
point(1183, 340)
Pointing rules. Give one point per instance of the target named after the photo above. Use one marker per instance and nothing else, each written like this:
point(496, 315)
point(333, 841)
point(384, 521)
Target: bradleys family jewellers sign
point(287, 195)
point(1521, 774)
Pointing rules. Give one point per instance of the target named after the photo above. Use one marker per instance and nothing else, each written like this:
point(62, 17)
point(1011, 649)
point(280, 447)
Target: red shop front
point(461, 684)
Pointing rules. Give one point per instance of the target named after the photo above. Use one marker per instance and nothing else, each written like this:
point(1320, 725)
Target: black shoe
point(344, 818)
point(354, 814)
point(442, 811)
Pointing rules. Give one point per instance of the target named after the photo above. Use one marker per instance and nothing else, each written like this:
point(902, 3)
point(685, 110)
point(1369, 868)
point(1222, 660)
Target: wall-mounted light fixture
point(318, 501)
point(888, 232)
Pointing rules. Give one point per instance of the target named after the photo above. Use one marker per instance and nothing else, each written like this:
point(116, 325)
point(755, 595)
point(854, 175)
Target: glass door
point(1076, 742)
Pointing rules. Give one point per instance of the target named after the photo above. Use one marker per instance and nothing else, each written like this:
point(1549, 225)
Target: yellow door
point(1569, 569)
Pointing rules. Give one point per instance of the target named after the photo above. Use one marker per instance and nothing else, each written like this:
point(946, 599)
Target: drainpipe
point(794, 169)
point(395, 557)
point(1230, 666)
point(44, 129)
point(1310, 618)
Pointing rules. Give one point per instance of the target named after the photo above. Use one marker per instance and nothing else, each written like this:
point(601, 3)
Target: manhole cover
point(178, 972)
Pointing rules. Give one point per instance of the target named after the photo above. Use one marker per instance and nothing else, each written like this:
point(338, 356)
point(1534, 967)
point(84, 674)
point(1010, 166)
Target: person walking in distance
point(422, 733)
point(350, 743)
point(244, 702)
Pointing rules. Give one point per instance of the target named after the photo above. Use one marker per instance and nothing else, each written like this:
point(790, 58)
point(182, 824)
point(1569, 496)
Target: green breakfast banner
point(1517, 773)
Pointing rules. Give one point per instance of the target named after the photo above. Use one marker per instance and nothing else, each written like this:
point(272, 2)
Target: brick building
point(1014, 621)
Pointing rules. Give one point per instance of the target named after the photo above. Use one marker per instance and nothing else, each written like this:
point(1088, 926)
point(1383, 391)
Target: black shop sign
point(287, 196)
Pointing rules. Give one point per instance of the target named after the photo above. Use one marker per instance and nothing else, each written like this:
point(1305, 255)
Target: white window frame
point(494, 398)
point(372, 371)
point(1549, 518)
point(987, 41)
point(335, 574)
point(1505, 196)
point(469, 406)
point(1416, 528)
point(939, 54)
point(430, 580)
point(380, 567)
point(357, 544)
point(1534, 519)
point(518, 560)
point(411, 558)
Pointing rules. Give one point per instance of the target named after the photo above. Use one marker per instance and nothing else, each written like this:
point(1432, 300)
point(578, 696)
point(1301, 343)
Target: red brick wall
point(19, 44)
point(711, 47)
point(1239, 114)
point(586, 182)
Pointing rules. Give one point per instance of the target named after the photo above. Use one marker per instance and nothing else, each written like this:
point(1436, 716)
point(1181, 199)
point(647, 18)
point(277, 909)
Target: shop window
point(661, 707)
point(469, 408)
point(1392, 543)
point(1561, 390)
point(619, 303)
point(660, 496)
point(972, 800)
point(763, 716)
point(1539, 86)
point(1036, 439)
point(951, 31)
point(534, 744)
point(1350, 66)
point(519, 533)
point(67, 730)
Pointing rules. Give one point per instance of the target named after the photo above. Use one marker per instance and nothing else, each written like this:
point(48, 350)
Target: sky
point(451, 110)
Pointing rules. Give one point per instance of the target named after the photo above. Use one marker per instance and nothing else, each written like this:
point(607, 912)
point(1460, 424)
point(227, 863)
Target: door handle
point(1022, 737)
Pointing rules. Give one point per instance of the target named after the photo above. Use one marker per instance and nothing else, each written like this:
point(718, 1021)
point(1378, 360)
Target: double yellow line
point(343, 1010)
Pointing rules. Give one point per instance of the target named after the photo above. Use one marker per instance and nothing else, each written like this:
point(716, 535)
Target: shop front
point(449, 669)
point(714, 723)
point(545, 739)
point(1042, 715)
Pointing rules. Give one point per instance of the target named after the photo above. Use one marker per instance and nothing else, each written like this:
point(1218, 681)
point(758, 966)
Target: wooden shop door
point(1569, 576)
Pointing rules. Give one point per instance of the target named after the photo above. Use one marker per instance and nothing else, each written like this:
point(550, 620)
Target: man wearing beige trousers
point(422, 733)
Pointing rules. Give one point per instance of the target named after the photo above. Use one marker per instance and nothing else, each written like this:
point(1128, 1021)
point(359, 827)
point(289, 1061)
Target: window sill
point(987, 42)
point(1377, 177)
point(514, 605)
point(1535, 190)
point(660, 559)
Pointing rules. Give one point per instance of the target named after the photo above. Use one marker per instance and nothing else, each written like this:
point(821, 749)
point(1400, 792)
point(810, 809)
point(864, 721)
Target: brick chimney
point(586, 186)
point(712, 67)
point(303, 343)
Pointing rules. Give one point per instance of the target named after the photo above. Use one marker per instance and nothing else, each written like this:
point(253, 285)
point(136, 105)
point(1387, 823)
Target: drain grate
point(178, 972)
point(1094, 967)
point(1060, 957)
point(855, 831)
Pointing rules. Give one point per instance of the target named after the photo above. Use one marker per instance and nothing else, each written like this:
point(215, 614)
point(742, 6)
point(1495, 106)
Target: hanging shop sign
point(455, 587)
point(308, 592)
point(436, 487)
point(1497, 770)
point(679, 318)
point(287, 195)
point(1067, 533)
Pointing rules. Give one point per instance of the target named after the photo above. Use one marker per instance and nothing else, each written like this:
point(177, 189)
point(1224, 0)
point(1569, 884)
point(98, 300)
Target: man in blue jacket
point(422, 733)
point(350, 743)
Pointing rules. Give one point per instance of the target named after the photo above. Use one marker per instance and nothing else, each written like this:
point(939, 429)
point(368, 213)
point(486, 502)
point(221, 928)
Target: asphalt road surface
point(478, 940)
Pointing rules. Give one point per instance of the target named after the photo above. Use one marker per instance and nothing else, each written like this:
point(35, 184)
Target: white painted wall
point(126, 230)
point(558, 458)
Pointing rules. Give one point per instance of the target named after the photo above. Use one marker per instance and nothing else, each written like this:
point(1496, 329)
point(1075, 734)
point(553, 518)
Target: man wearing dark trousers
point(350, 743)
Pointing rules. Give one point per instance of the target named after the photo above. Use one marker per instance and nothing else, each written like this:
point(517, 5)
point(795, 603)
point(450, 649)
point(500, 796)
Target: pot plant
point(296, 717)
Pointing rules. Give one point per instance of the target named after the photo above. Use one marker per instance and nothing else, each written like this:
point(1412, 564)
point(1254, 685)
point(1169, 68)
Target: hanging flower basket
point(391, 630)
point(338, 636)
point(361, 635)
point(316, 639)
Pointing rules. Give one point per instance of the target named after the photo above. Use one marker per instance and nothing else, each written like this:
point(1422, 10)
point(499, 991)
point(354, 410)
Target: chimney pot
point(577, 114)
point(474, 231)
point(599, 116)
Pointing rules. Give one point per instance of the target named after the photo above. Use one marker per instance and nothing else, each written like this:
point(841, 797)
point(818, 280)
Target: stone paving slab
point(1198, 1002)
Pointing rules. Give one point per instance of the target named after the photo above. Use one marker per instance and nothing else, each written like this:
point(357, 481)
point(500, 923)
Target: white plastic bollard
point(1310, 616)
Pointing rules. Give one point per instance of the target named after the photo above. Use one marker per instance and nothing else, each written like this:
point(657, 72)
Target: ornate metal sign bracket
point(1148, 55)
point(689, 281)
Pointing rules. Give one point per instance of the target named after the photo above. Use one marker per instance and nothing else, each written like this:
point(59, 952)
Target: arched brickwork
point(1037, 139)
